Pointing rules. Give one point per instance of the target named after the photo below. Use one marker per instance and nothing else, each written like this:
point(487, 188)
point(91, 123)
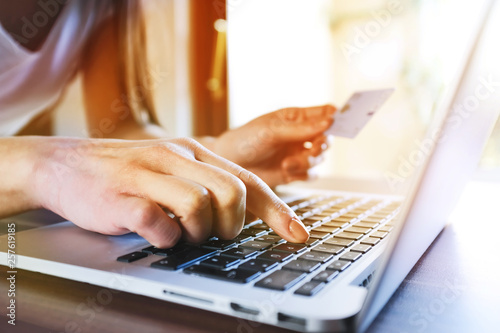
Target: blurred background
point(223, 63)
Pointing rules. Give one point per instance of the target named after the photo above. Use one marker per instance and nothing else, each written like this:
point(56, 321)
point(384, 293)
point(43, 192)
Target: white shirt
point(30, 82)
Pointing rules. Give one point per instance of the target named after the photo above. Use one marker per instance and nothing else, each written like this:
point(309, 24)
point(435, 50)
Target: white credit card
point(357, 111)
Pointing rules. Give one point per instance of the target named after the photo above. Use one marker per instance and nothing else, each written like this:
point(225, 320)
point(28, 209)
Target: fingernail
point(298, 230)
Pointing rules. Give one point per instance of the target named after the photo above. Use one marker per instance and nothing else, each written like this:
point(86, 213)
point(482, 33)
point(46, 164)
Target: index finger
point(261, 200)
point(310, 113)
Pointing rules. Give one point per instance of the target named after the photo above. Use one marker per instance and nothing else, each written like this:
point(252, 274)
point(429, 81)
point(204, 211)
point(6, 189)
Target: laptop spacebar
point(183, 259)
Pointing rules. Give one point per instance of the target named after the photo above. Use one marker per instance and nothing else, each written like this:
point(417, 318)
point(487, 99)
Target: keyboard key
point(306, 266)
point(339, 265)
point(385, 228)
point(150, 249)
point(310, 242)
point(238, 252)
point(336, 210)
point(336, 224)
point(339, 241)
point(379, 234)
point(333, 211)
point(258, 265)
point(281, 280)
point(315, 218)
point(363, 248)
point(290, 247)
point(302, 210)
point(295, 204)
point(269, 239)
point(349, 235)
point(305, 214)
point(220, 262)
point(234, 275)
point(218, 244)
point(326, 229)
point(183, 259)
point(344, 219)
point(365, 224)
point(242, 238)
point(341, 220)
point(173, 250)
point(310, 288)
point(314, 210)
point(327, 248)
point(359, 211)
point(326, 276)
point(378, 216)
point(358, 230)
point(132, 256)
point(309, 222)
point(350, 215)
point(324, 216)
point(256, 245)
point(253, 232)
point(316, 256)
point(318, 234)
point(276, 256)
point(350, 256)
point(371, 219)
point(370, 240)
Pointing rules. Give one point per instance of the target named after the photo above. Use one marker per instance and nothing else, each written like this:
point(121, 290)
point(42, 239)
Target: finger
point(227, 192)
point(187, 200)
point(147, 219)
point(228, 196)
point(298, 124)
point(311, 113)
point(319, 145)
point(261, 200)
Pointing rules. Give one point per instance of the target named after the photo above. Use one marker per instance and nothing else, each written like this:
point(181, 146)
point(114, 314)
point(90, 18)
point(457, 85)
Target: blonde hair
point(129, 18)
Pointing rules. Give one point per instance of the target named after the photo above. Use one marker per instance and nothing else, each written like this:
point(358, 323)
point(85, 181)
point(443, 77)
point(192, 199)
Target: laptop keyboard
point(342, 230)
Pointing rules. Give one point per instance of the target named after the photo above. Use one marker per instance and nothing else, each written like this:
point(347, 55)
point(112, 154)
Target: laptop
point(362, 244)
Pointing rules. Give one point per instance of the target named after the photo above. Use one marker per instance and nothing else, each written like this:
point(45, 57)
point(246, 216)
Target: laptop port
point(291, 319)
point(188, 297)
point(244, 309)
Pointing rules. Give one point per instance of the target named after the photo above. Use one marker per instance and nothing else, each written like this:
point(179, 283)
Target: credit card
point(357, 111)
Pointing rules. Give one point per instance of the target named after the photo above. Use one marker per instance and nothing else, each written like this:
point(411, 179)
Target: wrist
point(18, 169)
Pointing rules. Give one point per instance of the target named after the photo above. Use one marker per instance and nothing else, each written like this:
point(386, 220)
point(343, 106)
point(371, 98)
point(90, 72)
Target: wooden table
point(453, 288)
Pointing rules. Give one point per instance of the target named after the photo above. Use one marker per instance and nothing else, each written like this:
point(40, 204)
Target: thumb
point(299, 124)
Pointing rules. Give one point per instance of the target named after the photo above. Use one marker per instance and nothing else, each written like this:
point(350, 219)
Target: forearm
point(17, 169)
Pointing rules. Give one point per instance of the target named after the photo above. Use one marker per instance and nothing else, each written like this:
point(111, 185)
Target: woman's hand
point(115, 186)
point(272, 146)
